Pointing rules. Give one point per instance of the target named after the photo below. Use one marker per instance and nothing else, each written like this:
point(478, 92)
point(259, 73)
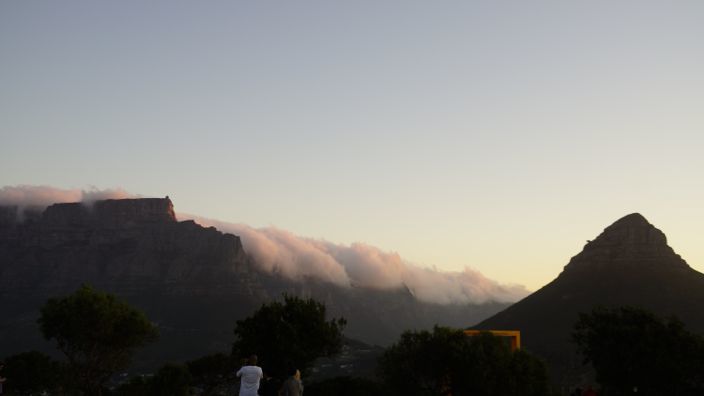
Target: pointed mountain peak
point(631, 241)
point(632, 229)
point(633, 220)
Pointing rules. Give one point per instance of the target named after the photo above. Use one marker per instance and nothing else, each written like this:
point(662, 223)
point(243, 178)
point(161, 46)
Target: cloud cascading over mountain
point(283, 253)
point(42, 196)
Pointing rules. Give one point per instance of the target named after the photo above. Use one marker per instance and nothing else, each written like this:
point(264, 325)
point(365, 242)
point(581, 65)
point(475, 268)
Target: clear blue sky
point(498, 135)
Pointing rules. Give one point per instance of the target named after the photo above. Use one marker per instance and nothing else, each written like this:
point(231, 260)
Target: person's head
point(253, 360)
point(297, 374)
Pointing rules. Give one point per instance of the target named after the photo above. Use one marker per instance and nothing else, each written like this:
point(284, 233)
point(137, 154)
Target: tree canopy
point(447, 362)
point(631, 348)
point(288, 335)
point(97, 332)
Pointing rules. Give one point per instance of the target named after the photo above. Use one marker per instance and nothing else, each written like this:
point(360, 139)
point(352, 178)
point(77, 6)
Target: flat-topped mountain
point(122, 245)
point(109, 213)
point(193, 281)
point(628, 264)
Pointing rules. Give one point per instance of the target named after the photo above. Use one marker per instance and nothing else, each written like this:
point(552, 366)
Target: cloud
point(361, 265)
point(94, 194)
point(278, 251)
point(39, 197)
point(42, 196)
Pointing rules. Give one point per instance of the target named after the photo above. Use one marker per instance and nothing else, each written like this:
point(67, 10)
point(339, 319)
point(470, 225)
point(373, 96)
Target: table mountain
point(194, 282)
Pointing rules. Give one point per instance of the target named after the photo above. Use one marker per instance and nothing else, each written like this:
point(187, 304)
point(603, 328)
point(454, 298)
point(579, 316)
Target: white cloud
point(361, 265)
point(297, 258)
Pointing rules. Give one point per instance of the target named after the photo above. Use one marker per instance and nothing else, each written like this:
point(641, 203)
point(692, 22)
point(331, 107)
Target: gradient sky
point(497, 135)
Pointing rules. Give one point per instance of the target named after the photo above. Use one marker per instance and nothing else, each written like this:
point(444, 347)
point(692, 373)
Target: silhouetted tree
point(631, 348)
point(288, 335)
point(97, 332)
point(447, 362)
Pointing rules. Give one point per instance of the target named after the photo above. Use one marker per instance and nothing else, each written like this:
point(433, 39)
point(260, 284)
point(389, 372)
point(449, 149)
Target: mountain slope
point(194, 282)
point(628, 264)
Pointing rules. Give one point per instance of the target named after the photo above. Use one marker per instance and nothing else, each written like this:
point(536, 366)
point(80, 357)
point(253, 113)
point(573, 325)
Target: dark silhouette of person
point(293, 386)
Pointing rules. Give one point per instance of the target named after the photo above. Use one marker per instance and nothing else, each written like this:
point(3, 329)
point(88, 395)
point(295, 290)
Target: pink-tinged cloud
point(297, 258)
point(361, 265)
point(42, 196)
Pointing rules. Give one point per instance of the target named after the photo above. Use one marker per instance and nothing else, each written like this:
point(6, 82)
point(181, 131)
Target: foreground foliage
point(446, 362)
point(98, 334)
point(289, 335)
point(632, 349)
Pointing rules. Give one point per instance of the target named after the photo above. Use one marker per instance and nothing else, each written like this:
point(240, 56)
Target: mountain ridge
point(194, 281)
point(628, 264)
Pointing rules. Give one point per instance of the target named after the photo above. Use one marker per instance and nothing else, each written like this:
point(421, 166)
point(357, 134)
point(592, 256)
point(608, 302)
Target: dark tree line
point(447, 362)
point(630, 349)
point(288, 335)
point(635, 352)
point(98, 335)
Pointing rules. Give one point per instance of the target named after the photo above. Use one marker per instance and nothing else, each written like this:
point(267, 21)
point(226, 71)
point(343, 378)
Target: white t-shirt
point(250, 380)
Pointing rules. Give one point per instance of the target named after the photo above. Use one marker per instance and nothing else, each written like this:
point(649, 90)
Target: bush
point(97, 332)
point(632, 348)
point(446, 362)
point(288, 336)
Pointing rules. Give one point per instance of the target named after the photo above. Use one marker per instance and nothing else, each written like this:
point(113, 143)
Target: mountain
point(194, 282)
point(628, 264)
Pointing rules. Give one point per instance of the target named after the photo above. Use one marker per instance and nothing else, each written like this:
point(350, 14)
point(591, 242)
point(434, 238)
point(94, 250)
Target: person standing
point(250, 376)
point(293, 385)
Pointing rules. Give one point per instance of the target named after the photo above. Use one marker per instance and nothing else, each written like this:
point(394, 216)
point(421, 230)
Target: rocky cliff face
point(184, 276)
point(630, 243)
point(122, 245)
point(195, 282)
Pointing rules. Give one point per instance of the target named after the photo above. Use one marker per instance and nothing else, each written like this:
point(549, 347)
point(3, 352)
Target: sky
point(494, 136)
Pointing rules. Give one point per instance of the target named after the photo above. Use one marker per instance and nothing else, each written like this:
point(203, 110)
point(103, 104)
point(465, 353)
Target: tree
point(288, 335)
point(97, 332)
point(447, 362)
point(632, 348)
point(31, 373)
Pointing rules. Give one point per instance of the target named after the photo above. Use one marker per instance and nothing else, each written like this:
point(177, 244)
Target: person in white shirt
point(250, 376)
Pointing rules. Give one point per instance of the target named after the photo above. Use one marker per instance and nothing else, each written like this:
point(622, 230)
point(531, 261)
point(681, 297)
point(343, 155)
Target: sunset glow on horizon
point(498, 137)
